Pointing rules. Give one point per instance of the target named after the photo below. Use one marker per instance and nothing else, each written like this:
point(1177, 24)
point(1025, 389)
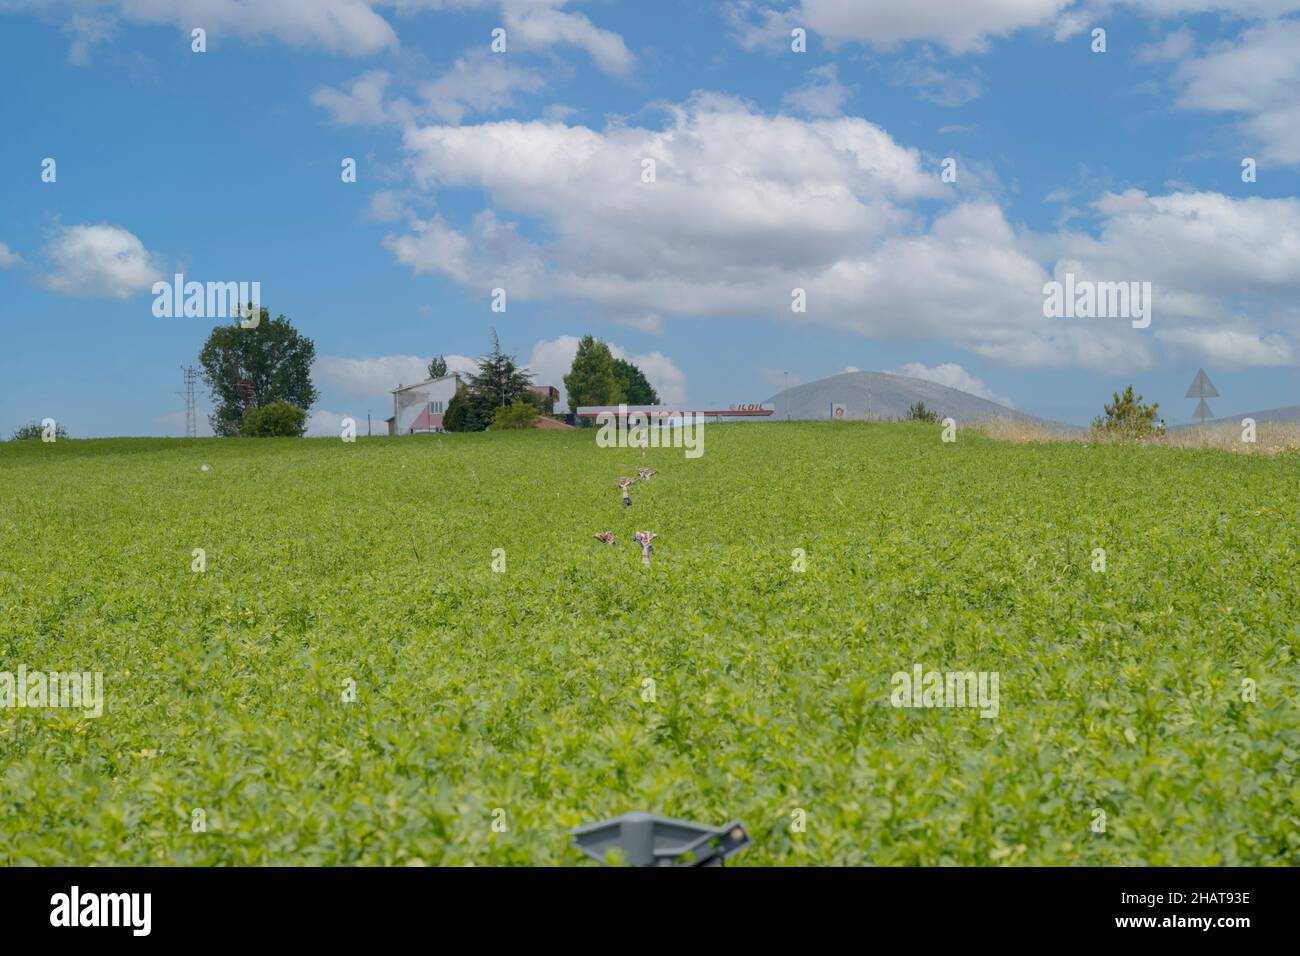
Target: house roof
point(427, 381)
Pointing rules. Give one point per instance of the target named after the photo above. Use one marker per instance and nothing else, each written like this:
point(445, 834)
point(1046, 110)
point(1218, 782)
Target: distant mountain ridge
point(882, 395)
point(1282, 415)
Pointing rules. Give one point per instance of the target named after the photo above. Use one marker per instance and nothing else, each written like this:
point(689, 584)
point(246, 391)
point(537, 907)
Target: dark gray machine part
point(650, 840)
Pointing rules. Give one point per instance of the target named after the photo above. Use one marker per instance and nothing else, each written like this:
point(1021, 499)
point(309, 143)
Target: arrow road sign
point(1202, 388)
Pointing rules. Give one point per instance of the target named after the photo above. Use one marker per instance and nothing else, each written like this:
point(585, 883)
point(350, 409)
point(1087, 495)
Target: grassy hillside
point(523, 691)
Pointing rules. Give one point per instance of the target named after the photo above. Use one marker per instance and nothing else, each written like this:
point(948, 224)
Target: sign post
point(1202, 388)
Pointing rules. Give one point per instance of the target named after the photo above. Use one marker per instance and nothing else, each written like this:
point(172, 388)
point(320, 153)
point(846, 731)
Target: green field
point(522, 691)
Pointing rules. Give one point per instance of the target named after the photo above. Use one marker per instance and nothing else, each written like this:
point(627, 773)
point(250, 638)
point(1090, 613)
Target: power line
point(190, 376)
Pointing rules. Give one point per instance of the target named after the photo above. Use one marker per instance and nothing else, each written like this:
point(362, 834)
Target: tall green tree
point(591, 379)
point(438, 367)
point(632, 383)
point(249, 367)
point(500, 381)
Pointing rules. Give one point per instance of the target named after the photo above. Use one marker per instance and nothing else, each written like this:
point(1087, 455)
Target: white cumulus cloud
point(477, 83)
point(954, 376)
point(822, 95)
point(1257, 78)
point(376, 377)
point(326, 424)
point(540, 24)
point(349, 27)
point(746, 207)
point(100, 261)
point(959, 25)
point(361, 104)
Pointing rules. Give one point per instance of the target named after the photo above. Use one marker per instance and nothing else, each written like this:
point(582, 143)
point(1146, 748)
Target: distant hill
point(880, 395)
point(1287, 413)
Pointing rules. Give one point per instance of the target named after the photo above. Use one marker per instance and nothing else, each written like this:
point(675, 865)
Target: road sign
point(1202, 388)
point(837, 410)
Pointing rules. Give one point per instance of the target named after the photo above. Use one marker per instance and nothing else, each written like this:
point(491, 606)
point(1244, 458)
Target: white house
point(419, 408)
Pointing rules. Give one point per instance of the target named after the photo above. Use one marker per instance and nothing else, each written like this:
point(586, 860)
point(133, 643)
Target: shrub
point(1127, 417)
point(518, 414)
point(34, 430)
point(274, 420)
point(919, 413)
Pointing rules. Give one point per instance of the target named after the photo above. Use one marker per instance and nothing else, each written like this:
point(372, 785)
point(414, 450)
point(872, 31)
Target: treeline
point(501, 394)
point(260, 378)
point(597, 378)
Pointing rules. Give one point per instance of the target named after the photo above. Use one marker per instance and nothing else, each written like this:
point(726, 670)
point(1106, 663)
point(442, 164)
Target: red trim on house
point(427, 421)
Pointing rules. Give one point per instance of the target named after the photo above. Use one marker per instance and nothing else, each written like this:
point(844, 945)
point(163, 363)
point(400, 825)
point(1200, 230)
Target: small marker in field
point(644, 538)
point(625, 484)
point(204, 468)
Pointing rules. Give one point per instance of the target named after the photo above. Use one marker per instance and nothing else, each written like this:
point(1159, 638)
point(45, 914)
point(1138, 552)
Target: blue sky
point(774, 170)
